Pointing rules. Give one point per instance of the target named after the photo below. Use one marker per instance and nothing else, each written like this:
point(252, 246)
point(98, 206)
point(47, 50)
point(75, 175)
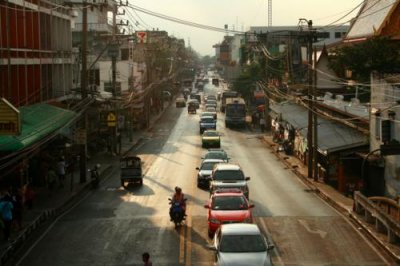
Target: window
point(323, 35)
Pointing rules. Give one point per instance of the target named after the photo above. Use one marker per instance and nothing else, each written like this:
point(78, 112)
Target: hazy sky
point(240, 14)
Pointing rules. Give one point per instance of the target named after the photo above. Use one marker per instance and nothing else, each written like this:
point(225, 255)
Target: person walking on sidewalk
point(262, 124)
point(61, 171)
point(6, 207)
point(28, 196)
point(51, 180)
point(17, 208)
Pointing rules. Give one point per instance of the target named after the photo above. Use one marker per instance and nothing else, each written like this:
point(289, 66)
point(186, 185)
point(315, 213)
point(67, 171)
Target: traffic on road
point(206, 191)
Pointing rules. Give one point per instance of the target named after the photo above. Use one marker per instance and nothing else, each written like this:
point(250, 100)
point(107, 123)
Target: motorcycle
point(177, 212)
point(94, 176)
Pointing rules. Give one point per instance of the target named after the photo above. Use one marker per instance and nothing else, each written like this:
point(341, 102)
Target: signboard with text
point(10, 119)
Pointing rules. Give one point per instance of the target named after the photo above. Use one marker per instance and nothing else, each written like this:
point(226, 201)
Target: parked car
point(205, 170)
point(210, 138)
point(227, 206)
point(216, 154)
point(180, 102)
point(207, 122)
point(241, 244)
point(228, 175)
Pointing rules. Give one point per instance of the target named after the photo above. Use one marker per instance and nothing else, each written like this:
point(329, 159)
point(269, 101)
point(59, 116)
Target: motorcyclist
point(178, 197)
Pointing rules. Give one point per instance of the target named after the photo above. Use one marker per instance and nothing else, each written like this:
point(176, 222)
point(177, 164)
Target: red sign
point(141, 36)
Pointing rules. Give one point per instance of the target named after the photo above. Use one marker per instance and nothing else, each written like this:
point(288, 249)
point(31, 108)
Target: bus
point(225, 95)
point(235, 112)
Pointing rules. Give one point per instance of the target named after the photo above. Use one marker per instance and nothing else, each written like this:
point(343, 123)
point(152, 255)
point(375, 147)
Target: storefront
point(22, 156)
point(336, 144)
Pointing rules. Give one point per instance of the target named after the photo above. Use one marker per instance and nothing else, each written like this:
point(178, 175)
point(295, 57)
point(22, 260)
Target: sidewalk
point(46, 206)
point(336, 199)
point(327, 192)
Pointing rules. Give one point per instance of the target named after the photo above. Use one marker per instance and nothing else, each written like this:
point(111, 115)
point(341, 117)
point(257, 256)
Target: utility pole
point(114, 79)
point(309, 98)
point(82, 148)
point(315, 120)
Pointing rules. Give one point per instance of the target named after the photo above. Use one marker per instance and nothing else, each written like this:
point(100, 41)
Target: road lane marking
point(275, 250)
point(181, 245)
point(106, 245)
point(188, 237)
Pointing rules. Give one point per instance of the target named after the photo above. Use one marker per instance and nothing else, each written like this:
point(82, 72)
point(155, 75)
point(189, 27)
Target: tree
point(376, 54)
point(246, 82)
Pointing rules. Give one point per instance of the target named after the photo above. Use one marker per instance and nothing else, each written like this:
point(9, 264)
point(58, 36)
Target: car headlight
point(214, 221)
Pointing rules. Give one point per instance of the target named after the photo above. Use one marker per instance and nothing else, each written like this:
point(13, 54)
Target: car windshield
point(210, 109)
point(207, 120)
point(228, 175)
point(208, 165)
point(211, 134)
point(223, 203)
point(242, 243)
point(216, 155)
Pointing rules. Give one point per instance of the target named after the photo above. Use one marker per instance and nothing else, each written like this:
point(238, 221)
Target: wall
point(384, 97)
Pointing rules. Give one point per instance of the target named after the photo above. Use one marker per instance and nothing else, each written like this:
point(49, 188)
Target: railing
point(382, 212)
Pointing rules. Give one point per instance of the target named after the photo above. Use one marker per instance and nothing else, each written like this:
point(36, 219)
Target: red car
point(227, 206)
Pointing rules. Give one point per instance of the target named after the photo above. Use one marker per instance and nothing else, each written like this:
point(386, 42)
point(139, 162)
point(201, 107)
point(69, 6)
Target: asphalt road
point(113, 225)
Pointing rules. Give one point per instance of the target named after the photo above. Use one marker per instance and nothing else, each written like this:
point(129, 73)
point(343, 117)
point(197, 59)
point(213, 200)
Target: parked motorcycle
point(94, 176)
point(177, 212)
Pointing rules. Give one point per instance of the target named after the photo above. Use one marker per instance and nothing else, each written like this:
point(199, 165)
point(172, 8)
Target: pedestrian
point(146, 259)
point(28, 196)
point(6, 207)
point(17, 208)
point(262, 124)
point(51, 180)
point(61, 171)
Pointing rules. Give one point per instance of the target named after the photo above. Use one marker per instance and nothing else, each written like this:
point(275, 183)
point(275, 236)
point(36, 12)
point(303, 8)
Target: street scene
point(124, 144)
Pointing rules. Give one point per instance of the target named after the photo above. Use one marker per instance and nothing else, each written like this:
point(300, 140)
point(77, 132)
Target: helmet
point(178, 189)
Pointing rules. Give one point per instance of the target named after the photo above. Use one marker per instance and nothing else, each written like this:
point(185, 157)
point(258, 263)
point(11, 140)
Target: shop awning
point(332, 136)
point(38, 121)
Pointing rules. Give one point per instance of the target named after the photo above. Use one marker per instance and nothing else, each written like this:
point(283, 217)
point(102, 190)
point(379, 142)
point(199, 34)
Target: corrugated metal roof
point(370, 19)
point(332, 136)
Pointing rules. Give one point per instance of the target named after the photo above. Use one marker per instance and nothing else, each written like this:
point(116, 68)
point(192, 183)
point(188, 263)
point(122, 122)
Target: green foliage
point(246, 82)
point(377, 54)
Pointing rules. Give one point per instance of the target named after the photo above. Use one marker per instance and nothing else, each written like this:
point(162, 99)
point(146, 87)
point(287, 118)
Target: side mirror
point(169, 199)
point(197, 168)
point(251, 206)
point(247, 178)
point(206, 206)
point(270, 247)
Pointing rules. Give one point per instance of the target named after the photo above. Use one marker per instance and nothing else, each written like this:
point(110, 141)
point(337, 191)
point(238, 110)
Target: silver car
point(205, 171)
point(241, 244)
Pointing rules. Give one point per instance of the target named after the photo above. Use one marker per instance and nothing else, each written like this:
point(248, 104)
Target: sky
point(237, 14)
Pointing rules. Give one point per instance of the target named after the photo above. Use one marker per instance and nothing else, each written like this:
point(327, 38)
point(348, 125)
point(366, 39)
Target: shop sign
point(111, 120)
point(10, 119)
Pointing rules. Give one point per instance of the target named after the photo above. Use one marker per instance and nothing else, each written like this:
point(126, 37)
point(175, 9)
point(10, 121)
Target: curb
point(337, 206)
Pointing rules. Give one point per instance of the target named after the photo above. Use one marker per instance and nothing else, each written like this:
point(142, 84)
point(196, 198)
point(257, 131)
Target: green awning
point(38, 121)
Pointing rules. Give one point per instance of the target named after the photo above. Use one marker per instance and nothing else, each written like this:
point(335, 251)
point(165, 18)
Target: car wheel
point(210, 234)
